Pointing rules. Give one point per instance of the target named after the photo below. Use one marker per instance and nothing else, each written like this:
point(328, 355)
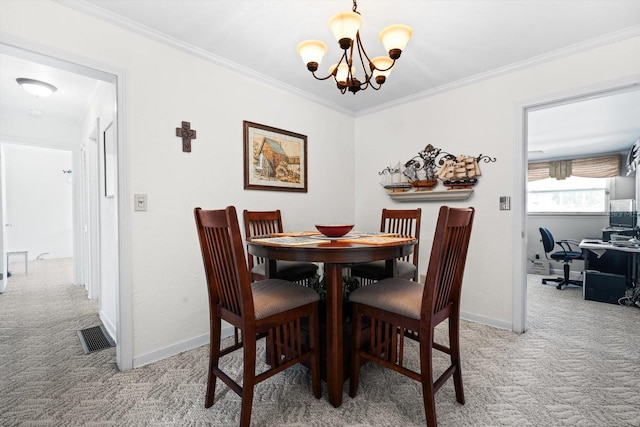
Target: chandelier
point(346, 29)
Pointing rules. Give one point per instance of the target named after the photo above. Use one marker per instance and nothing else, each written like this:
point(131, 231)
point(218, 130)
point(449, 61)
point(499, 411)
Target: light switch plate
point(505, 203)
point(140, 202)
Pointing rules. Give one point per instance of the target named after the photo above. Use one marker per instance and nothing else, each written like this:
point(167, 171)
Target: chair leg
point(214, 357)
point(454, 346)
point(565, 279)
point(314, 329)
point(354, 375)
point(426, 373)
point(248, 380)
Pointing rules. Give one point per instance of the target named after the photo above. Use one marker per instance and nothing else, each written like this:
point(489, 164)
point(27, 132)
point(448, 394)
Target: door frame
point(91, 68)
point(519, 288)
point(3, 234)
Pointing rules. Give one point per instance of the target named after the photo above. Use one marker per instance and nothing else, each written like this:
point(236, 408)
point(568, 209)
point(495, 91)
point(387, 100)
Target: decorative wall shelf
point(425, 196)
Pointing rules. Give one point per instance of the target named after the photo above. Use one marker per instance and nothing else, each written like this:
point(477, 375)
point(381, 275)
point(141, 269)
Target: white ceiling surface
point(69, 103)
point(453, 42)
point(604, 124)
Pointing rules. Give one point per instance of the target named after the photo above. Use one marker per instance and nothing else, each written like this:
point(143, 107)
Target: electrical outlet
point(140, 202)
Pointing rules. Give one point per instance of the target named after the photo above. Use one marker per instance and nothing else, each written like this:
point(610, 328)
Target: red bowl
point(334, 230)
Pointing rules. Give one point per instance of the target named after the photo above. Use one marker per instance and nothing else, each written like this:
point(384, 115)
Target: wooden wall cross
point(187, 135)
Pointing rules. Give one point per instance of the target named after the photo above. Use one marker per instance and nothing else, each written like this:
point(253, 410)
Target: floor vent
point(95, 339)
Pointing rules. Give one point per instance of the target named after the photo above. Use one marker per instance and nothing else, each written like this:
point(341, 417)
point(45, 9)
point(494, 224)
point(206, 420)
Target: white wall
point(38, 201)
point(480, 118)
point(163, 88)
point(39, 131)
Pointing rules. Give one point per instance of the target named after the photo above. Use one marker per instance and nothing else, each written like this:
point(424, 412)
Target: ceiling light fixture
point(36, 87)
point(346, 29)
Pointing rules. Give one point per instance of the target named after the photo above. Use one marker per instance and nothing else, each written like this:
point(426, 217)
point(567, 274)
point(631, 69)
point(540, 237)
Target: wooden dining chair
point(271, 308)
point(404, 222)
point(398, 309)
point(260, 223)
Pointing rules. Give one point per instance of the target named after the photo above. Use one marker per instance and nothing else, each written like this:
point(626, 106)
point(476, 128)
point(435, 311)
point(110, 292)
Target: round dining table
point(335, 254)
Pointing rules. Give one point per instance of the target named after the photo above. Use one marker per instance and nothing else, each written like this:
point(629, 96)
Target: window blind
point(590, 167)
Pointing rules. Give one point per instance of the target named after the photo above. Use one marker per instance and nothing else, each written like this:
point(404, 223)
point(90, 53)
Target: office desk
point(599, 248)
point(336, 255)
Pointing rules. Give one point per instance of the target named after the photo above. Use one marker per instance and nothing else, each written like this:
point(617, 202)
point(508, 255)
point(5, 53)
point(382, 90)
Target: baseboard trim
point(177, 348)
point(227, 331)
point(496, 323)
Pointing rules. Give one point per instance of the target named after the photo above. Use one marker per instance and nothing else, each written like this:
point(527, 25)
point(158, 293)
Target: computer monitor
point(622, 213)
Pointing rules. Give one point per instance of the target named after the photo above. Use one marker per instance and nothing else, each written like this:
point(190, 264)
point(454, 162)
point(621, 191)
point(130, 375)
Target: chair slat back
point(405, 222)
point(260, 223)
point(446, 264)
point(228, 279)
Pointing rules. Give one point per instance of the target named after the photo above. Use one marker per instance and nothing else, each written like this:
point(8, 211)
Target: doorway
point(91, 96)
point(614, 108)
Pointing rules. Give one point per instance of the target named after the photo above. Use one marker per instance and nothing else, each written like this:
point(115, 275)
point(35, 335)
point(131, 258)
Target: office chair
point(566, 255)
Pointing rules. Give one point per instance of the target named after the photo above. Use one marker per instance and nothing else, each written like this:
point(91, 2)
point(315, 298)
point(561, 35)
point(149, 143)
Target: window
point(574, 194)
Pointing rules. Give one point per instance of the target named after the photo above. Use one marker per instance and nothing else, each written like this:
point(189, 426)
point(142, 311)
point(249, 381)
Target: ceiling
point(69, 103)
point(454, 42)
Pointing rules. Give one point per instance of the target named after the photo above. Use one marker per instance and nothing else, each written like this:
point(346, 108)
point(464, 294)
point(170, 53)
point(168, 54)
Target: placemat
point(289, 240)
point(379, 240)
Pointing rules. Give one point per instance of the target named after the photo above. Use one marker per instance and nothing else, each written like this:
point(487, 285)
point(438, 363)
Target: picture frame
point(274, 159)
point(109, 159)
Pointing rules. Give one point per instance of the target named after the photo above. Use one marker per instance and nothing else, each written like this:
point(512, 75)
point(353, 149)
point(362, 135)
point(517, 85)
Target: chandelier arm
point(361, 51)
point(332, 74)
point(350, 75)
point(321, 78)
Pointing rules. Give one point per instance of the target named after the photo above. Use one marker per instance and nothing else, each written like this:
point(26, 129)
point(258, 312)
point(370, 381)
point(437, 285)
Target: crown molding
point(607, 39)
point(135, 27)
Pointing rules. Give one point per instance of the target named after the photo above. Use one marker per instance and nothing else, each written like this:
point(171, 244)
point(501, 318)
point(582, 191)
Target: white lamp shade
point(312, 51)
point(343, 72)
point(36, 87)
point(345, 25)
point(395, 37)
point(383, 66)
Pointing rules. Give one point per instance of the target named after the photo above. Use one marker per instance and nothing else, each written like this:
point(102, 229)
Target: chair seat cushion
point(291, 270)
point(560, 256)
point(396, 295)
point(273, 296)
point(376, 269)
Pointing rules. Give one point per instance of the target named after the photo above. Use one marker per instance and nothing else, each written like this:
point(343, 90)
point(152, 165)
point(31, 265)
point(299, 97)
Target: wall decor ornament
point(432, 164)
point(274, 159)
point(187, 135)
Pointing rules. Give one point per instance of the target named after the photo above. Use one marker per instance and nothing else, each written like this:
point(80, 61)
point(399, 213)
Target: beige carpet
point(578, 365)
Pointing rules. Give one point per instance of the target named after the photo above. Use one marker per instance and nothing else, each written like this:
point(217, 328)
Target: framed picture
point(109, 156)
point(274, 159)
